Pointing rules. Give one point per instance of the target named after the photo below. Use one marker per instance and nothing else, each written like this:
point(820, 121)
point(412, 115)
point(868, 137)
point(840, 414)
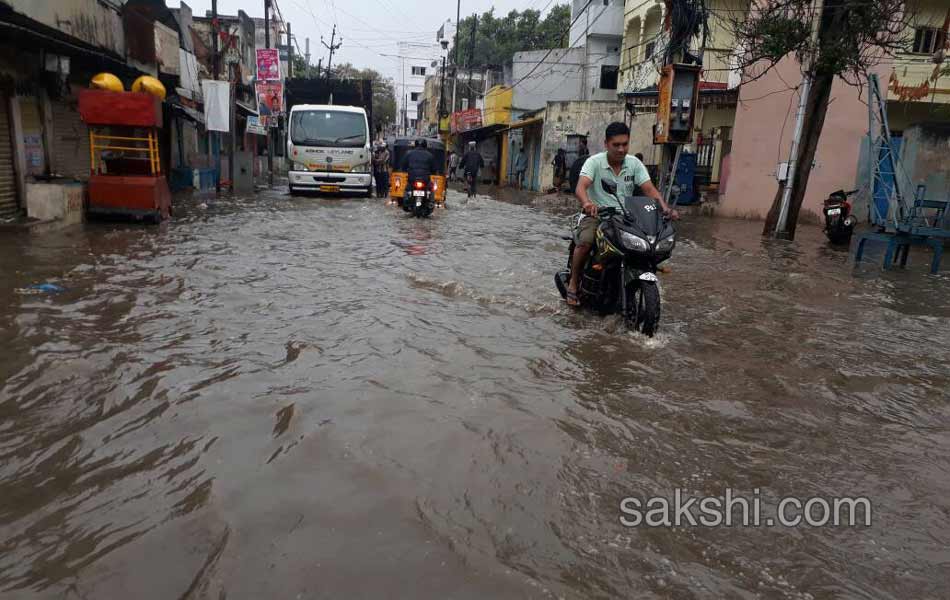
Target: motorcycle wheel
point(643, 308)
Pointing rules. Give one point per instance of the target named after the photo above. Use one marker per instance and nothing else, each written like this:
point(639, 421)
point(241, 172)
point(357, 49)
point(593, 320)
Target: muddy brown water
point(322, 398)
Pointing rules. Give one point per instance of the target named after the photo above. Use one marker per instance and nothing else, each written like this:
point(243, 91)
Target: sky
point(370, 28)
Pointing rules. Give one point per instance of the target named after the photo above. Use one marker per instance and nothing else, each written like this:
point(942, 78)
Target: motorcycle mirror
point(609, 186)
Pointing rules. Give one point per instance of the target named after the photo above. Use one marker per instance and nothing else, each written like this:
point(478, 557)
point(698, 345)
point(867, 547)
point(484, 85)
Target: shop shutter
point(70, 141)
point(8, 202)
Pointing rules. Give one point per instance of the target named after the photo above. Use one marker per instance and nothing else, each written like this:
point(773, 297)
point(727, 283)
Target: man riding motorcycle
point(615, 166)
point(419, 163)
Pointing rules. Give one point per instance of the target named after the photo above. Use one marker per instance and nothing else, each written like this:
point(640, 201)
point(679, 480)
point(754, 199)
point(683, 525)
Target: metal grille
point(70, 141)
point(705, 154)
point(8, 203)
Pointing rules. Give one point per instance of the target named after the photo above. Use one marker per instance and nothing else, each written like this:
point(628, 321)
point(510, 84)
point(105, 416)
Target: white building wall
point(600, 52)
point(595, 17)
point(416, 62)
point(559, 78)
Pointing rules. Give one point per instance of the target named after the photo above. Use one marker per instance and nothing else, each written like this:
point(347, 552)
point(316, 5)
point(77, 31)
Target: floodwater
point(278, 397)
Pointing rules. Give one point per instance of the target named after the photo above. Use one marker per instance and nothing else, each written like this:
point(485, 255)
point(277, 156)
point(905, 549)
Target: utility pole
point(332, 48)
point(455, 70)
point(471, 62)
point(290, 53)
point(781, 225)
point(442, 93)
point(215, 70)
point(403, 96)
point(270, 140)
point(307, 56)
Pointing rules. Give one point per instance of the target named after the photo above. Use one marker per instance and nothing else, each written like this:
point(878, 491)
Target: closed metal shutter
point(70, 141)
point(8, 203)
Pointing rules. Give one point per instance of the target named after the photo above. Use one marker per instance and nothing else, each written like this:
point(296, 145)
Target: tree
point(497, 39)
point(850, 38)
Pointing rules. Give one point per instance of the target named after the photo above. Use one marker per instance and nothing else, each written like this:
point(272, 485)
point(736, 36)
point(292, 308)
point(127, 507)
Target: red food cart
point(126, 179)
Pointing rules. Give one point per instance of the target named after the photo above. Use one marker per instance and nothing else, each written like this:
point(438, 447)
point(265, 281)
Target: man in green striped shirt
point(617, 167)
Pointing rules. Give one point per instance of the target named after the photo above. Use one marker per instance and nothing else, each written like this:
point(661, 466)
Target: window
point(331, 128)
point(415, 96)
point(928, 40)
point(649, 50)
point(419, 71)
point(608, 77)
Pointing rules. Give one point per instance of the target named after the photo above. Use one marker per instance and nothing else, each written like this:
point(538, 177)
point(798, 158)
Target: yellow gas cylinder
point(107, 81)
point(149, 85)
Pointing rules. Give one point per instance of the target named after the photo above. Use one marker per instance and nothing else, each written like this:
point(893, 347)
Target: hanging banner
point(217, 98)
point(255, 126)
point(268, 64)
point(270, 98)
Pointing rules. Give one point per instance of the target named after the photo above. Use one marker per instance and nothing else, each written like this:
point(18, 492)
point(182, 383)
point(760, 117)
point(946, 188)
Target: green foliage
point(498, 38)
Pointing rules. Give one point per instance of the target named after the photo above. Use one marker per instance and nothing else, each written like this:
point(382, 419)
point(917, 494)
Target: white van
point(329, 149)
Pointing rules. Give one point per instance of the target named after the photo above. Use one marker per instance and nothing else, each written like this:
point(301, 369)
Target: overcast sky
point(370, 28)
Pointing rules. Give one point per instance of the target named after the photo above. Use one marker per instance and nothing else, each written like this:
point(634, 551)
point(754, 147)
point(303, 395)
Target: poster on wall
point(255, 126)
point(270, 98)
point(268, 64)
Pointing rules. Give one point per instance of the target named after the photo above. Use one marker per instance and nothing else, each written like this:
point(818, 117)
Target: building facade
point(416, 62)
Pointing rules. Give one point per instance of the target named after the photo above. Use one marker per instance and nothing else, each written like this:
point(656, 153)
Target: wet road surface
point(278, 397)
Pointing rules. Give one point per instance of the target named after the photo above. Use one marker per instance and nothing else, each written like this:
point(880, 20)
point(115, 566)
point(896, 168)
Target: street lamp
point(442, 115)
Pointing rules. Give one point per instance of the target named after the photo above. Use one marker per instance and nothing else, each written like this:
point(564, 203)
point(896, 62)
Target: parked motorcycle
point(620, 274)
point(420, 198)
point(839, 222)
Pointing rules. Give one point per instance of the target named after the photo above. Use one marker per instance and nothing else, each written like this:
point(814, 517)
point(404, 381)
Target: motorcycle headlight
point(666, 245)
point(632, 242)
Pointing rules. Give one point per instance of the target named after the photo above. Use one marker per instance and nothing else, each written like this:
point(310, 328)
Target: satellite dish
point(435, 63)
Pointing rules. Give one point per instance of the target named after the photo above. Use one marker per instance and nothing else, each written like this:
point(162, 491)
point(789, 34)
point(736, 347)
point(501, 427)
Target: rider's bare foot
point(572, 299)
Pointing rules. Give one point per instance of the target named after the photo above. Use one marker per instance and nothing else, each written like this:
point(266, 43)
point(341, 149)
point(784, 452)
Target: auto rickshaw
point(398, 180)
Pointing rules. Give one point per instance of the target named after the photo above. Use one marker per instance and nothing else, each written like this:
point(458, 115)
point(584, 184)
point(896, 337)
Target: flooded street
point(279, 397)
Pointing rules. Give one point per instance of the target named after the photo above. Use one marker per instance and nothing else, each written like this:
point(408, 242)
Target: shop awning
point(480, 133)
point(189, 113)
point(247, 109)
point(526, 123)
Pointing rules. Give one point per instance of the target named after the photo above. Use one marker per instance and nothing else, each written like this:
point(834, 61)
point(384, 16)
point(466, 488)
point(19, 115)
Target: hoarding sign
point(268, 64)
point(270, 97)
point(254, 126)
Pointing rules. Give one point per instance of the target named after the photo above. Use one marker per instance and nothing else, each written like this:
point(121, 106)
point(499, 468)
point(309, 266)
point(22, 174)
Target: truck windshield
point(328, 128)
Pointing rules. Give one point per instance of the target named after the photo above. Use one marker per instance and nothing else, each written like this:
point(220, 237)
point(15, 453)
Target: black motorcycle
point(839, 222)
point(419, 198)
point(620, 274)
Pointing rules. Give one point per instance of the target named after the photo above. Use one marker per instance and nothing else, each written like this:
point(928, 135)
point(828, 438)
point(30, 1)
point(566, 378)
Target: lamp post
point(445, 47)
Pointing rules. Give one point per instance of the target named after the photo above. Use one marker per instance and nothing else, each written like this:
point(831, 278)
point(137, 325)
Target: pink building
point(762, 136)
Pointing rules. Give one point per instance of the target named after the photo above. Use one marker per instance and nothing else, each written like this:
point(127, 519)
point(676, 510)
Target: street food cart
point(126, 179)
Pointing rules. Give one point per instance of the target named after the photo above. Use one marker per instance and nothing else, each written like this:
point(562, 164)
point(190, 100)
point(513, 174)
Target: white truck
point(328, 147)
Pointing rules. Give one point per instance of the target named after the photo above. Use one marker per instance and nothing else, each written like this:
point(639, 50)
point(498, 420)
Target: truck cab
point(328, 147)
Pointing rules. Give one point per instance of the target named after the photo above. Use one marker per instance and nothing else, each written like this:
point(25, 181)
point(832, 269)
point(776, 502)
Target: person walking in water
point(472, 163)
point(560, 169)
point(381, 170)
point(453, 165)
point(521, 167)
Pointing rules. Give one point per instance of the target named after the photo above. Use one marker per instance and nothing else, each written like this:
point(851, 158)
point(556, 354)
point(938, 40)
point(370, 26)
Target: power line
point(586, 6)
point(558, 61)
